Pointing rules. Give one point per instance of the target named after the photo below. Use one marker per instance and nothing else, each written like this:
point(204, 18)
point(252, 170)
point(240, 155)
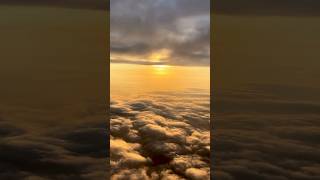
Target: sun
point(161, 69)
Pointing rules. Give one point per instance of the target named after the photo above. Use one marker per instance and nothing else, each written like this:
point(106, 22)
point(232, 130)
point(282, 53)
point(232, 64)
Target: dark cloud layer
point(267, 7)
point(62, 152)
point(264, 135)
point(177, 31)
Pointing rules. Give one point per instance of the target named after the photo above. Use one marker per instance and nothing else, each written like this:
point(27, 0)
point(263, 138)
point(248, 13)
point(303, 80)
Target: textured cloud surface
point(260, 134)
point(47, 150)
point(166, 31)
point(164, 136)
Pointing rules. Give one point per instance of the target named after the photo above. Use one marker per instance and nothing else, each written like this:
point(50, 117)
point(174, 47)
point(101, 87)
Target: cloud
point(194, 173)
point(266, 102)
point(52, 110)
point(62, 151)
point(142, 62)
point(160, 31)
point(261, 133)
point(153, 140)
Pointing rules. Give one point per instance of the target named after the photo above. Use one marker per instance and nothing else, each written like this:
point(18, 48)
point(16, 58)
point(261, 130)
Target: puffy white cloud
point(134, 174)
point(197, 174)
point(125, 154)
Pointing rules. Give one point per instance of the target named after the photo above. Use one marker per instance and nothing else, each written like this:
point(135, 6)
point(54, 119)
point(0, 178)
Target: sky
point(160, 114)
point(175, 32)
point(267, 99)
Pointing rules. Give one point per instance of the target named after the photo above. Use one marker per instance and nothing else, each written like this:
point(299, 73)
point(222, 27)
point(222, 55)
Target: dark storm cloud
point(142, 28)
point(267, 7)
point(152, 138)
point(256, 138)
point(83, 4)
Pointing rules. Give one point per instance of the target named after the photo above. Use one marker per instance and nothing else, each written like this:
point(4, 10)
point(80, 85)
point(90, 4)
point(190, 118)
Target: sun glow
point(129, 79)
point(160, 55)
point(161, 69)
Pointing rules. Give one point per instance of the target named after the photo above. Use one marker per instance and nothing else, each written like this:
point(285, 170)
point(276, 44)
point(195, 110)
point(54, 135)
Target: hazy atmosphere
point(53, 89)
point(266, 100)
